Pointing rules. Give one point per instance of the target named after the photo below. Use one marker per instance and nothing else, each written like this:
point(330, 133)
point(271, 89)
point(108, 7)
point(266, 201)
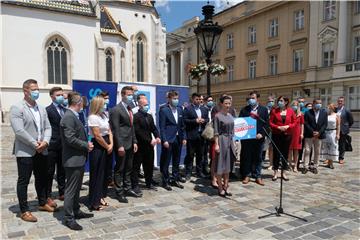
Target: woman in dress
point(329, 147)
point(297, 136)
point(102, 138)
point(282, 121)
point(224, 145)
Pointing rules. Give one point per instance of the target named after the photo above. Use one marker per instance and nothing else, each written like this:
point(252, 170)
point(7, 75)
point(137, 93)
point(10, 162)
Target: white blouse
point(101, 122)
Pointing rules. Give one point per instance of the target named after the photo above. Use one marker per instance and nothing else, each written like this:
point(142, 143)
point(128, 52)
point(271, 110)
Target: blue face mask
point(66, 102)
point(295, 108)
point(175, 102)
point(34, 95)
point(146, 108)
point(129, 98)
point(281, 104)
point(317, 106)
point(270, 104)
point(107, 101)
point(210, 104)
point(59, 99)
point(252, 102)
point(103, 108)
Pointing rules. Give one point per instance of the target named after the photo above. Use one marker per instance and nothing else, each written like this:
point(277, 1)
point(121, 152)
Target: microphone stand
point(278, 210)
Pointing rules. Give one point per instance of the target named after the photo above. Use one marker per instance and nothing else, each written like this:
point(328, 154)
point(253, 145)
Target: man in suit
point(55, 112)
point(346, 122)
point(122, 125)
point(195, 120)
point(315, 123)
point(75, 148)
point(172, 138)
point(208, 104)
point(32, 129)
point(251, 149)
point(144, 129)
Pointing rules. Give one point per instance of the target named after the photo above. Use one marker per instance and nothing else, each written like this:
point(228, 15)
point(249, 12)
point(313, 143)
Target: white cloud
point(163, 4)
point(224, 4)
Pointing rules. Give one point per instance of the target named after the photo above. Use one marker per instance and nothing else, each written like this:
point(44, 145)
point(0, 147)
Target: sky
point(174, 13)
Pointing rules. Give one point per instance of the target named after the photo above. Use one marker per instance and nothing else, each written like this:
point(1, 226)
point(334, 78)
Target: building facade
point(291, 48)
point(57, 41)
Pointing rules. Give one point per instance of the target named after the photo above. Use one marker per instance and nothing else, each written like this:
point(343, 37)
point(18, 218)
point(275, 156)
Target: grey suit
point(75, 151)
point(27, 134)
point(346, 122)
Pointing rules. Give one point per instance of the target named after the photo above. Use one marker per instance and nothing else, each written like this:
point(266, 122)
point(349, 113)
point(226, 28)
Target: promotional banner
point(244, 128)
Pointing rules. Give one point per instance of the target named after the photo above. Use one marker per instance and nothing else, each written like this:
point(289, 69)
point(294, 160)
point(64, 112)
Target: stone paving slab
point(328, 201)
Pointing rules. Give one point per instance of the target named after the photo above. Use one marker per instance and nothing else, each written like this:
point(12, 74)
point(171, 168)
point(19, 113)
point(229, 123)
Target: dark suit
point(144, 128)
point(74, 154)
point(346, 122)
point(55, 150)
point(171, 131)
point(124, 136)
point(195, 142)
point(251, 150)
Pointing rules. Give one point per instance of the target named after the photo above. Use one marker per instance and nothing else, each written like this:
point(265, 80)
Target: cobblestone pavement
point(328, 201)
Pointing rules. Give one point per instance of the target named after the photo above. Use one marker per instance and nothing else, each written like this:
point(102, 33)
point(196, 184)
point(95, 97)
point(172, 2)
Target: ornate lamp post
point(208, 34)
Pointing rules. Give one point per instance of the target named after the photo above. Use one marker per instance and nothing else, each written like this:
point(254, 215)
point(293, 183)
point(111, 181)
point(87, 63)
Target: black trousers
point(144, 156)
point(283, 142)
point(251, 158)
point(205, 154)
point(122, 171)
point(109, 168)
point(25, 166)
point(98, 173)
point(170, 154)
point(55, 161)
point(74, 178)
point(194, 146)
point(342, 146)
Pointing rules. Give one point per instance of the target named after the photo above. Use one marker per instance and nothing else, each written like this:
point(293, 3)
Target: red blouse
point(276, 120)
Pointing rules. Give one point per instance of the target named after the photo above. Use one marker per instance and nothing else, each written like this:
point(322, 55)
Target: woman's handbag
point(208, 132)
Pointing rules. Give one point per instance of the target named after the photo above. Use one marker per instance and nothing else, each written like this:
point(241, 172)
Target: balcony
point(351, 69)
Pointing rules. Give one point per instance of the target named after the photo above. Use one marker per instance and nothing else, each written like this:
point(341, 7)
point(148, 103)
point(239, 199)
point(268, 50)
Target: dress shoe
point(177, 184)
point(188, 177)
point(46, 208)
point(82, 214)
point(28, 217)
point(181, 179)
point(137, 190)
point(73, 225)
point(200, 175)
point(246, 180)
point(151, 187)
point(315, 171)
point(260, 181)
point(51, 203)
point(122, 199)
point(61, 197)
point(132, 193)
point(167, 187)
point(304, 171)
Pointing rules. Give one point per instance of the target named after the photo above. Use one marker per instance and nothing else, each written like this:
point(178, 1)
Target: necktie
point(61, 111)
point(130, 115)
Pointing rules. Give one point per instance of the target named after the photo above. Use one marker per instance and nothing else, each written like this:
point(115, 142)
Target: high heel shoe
point(214, 186)
point(274, 178)
point(222, 194)
point(227, 193)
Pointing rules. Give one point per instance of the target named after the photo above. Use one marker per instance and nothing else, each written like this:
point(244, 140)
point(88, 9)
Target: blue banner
point(244, 128)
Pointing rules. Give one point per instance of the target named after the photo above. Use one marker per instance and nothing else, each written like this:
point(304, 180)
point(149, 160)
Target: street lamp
point(208, 34)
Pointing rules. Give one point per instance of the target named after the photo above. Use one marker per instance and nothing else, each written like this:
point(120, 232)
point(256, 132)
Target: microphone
point(257, 117)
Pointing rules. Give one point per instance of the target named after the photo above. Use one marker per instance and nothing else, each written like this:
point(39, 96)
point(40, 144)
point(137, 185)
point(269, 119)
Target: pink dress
point(296, 132)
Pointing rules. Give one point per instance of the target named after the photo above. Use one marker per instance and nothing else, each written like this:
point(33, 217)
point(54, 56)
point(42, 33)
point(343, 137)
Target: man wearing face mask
point(346, 122)
point(301, 101)
point(251, 163)
point(314, 131)
point(267, 144)
point(134, 103)
point(75, 148)
point(145, 129)
point(32, 129)
point(125, 142)
point(66, 101)
point(55, 112)
point(173, 137)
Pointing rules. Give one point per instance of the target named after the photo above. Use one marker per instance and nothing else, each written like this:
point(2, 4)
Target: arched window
point(122, 66)
point(57, 61)
point(140, 59)
point(109, 65)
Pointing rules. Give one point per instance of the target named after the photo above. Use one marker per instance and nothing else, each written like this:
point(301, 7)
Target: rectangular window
point(353, 97)
point(328, 54)
point(329, 10)
point(357, 6)
point(230, 41)
point(252, 69)
point(273, 64)
point(189, 54)
point(298, 60)
point(252, 35)
point(299, 20)
point(230, 72)
point(357, 49)
point(325, 96)
point(274, 28)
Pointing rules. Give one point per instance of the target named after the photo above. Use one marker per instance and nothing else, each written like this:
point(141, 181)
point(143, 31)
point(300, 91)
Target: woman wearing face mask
point(329, 146)
point(224, 145)
point(102, 138)
point(282, 120)
point(297, 136)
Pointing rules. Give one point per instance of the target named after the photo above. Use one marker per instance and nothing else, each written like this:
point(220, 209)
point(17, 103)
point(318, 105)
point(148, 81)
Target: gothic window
point(140, 59)
point(57, 61)
point(109, 65)
point(122, 67)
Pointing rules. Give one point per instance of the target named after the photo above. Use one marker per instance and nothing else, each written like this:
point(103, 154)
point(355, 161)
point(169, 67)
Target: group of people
point(63, 136)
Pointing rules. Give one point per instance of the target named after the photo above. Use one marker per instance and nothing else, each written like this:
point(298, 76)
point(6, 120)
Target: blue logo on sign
point(93, 93)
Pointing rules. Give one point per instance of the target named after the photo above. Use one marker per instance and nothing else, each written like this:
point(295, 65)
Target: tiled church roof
point(108, 24)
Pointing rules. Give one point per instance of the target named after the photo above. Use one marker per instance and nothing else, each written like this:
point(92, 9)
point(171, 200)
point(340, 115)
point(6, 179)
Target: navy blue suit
point(171, 131)
point(195, 142)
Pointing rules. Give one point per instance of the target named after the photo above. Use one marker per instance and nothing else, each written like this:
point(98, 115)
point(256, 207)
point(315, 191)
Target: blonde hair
point(332, 107)
point(96, 104)
point(298, 111)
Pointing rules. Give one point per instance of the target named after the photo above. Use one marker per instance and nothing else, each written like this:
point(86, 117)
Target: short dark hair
point(194, 95)
point(139, 96)
point(27, 83)
point(316, 99)
point(206, 98)
point(341, 97)
point(223, 98)
point(254, 92)
point(104, 94)
point(73, 98)
point(307, 104)
point(172, 93)
point(54, 89)
point(126, 88)
point(286, 100)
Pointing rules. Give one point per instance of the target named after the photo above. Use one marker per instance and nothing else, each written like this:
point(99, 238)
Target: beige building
point(309, 49)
